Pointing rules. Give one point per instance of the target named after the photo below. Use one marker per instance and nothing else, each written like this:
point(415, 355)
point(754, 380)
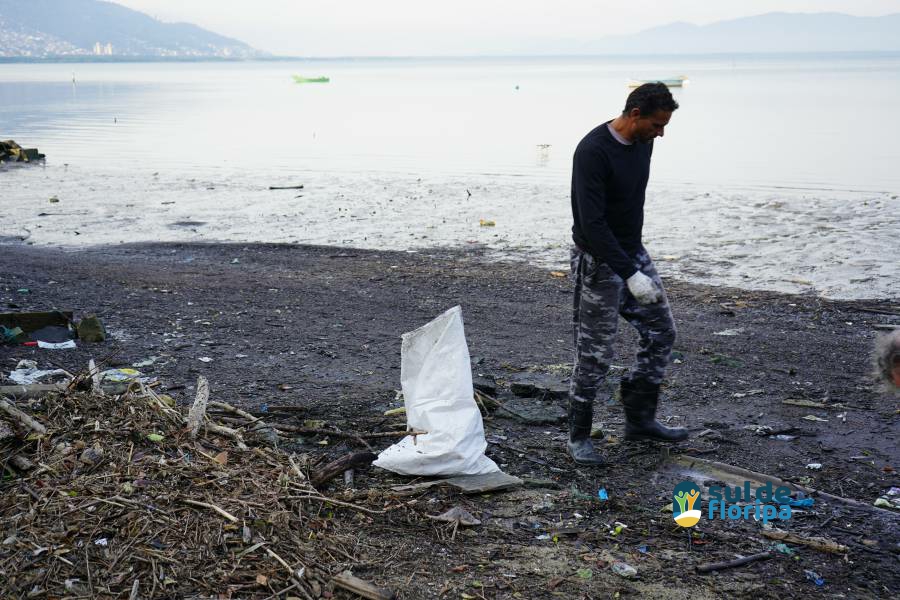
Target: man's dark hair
point(649, 98)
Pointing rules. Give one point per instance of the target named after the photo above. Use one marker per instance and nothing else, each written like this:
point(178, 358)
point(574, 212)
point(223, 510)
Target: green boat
point(298, 79)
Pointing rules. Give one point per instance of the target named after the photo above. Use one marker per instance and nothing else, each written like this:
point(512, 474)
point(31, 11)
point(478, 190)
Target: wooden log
point(729, 564)
point(21, 417)
point(337, 467)
point(361, 588)
point(32, 390)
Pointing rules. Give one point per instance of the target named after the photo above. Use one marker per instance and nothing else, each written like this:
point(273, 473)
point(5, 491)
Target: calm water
point(777, 172)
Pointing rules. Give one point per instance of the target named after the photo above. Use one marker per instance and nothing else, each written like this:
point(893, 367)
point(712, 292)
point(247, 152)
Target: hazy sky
point(460, 27)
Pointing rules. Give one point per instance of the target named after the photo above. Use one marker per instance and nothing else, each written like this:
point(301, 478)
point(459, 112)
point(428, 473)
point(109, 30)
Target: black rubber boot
point(640, 399)
point(581, 449)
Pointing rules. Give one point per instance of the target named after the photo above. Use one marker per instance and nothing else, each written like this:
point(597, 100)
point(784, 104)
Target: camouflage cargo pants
point(600, 297)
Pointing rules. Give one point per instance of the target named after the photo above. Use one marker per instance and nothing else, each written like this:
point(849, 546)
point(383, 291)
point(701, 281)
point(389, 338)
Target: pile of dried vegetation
point(127, 496)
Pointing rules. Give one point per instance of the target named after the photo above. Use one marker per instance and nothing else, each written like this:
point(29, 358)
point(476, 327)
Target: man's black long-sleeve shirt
point(609, 180)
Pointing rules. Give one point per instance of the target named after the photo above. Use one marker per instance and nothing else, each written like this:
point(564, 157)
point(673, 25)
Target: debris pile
point(12, 152)
point(112, 496)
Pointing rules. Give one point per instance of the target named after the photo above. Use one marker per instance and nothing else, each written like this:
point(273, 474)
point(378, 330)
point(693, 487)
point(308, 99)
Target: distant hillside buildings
point(102, 50)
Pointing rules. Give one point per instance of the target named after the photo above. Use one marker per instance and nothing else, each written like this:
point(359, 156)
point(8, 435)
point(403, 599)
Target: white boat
point(679, 81)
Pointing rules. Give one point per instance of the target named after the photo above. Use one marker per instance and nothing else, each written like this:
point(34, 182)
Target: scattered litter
point(584, 573)
point(730, 332)
point(890, 499)
point(784, 549)
point(814, 577)
point(643, 549)
point(147, 362)
point(457, 515)
point(11, 335)
point(624, 570)
point(205, 359)
point(799, 503)
point(815, 418)
point(559, 274)
point(601, 493)
point(27, 373)
point(785, 438)
point(814, 466)
point(117, 381)
point(486, 223)
point(747, 393)
point(808, 403)
point(759, 429)
point(68, 345)
point(578, 494)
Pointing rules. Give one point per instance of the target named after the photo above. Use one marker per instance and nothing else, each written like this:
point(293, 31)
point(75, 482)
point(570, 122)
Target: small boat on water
point(299, 79)
point(679, 81)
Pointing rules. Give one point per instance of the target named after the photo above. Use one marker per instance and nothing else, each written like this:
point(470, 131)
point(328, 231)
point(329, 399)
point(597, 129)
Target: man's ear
point(635, 113)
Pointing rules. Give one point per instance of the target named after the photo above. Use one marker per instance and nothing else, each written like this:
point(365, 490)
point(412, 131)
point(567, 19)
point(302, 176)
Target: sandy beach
point(317, 328)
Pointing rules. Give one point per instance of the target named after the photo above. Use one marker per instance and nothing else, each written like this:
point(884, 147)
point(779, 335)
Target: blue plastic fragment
point(601, 493)
point(264, 408)
point(642, 549)
point(814, 577)
point(805, 502)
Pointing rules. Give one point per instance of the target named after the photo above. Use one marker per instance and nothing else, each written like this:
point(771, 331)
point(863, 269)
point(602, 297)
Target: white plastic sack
point(436, 378)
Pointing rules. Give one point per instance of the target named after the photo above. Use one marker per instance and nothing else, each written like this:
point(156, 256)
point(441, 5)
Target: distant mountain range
point(768, 33)
point(91, 28)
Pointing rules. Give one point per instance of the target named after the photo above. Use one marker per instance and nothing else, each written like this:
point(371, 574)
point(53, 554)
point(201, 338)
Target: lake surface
point(777, 172)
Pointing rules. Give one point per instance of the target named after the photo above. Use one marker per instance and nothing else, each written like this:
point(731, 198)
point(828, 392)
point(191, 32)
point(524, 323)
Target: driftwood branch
point(234, 410)
point(94, 374)
point(361, 588)
point(21, 417)
point(729, 564)
point(212, 507)
point(198, 409)
point(337, 467)
point(227, 432)
point(33, 390)
point(818, 543)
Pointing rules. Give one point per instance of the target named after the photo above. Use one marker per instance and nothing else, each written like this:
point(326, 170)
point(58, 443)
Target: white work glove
point(643, 289)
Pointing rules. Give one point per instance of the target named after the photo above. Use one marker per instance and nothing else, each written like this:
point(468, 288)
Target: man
point(614, 274)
